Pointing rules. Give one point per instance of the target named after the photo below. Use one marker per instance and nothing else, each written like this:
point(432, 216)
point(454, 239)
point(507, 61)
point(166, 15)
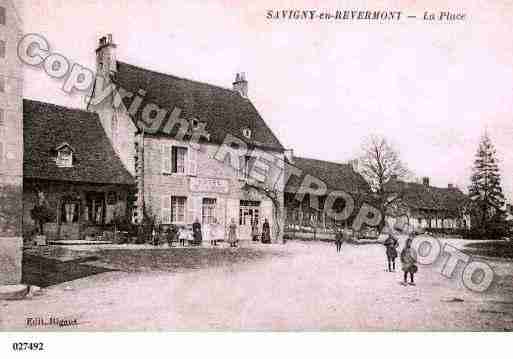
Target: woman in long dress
point(409, 261)
point(266, 232)
point(232, 233)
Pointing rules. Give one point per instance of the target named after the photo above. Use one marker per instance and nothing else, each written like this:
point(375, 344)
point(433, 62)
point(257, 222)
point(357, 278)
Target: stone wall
point(11, 148)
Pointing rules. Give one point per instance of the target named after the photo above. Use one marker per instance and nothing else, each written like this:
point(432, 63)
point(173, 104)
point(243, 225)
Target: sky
point(430, 88)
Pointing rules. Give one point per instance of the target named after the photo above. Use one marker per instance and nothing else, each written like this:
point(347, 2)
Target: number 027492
point(19, 346)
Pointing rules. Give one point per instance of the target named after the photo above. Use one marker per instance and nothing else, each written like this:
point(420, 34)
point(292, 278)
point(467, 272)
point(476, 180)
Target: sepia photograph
point(275, 166)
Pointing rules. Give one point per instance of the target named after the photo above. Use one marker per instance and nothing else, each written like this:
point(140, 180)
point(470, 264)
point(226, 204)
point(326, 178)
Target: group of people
point(408, 257)
point(215, 232)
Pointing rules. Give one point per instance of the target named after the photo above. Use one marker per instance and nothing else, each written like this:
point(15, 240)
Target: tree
point(378, 164)
point(41, 213)
point(485, 189)
point(274, 195)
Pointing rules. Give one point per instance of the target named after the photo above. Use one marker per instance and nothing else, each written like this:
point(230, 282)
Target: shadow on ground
point(171, 260)
point(495, 249)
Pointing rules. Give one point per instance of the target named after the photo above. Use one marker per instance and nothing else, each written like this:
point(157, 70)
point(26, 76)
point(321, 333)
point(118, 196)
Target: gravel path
point(311, 287)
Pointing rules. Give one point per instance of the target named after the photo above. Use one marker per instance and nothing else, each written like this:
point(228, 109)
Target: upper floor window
point(64, 156)
point(2, 84)
point(174, 159)
point(246, 133)
point(2, 15)
point(2, 49)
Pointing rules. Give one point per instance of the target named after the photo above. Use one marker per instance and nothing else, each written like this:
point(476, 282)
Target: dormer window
point(64, 156)
point(246, 133)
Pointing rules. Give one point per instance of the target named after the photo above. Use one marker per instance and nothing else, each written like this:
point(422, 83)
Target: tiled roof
point(420, 196)
point(46, 126)
point(223, 110)
point(336, 176)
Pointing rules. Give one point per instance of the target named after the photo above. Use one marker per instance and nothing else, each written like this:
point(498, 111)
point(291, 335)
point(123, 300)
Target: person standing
point(196, 232)
point(171, 234)
point(254, 230)
point(409, 261)
point(232, 233)
point(212, 232)
point(266, 232)
point(338, 239)
point(391, 245)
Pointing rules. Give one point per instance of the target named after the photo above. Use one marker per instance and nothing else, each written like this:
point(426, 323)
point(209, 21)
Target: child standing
point(409, 261)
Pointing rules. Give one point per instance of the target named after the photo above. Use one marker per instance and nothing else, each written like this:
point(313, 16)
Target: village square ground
point(296, 286)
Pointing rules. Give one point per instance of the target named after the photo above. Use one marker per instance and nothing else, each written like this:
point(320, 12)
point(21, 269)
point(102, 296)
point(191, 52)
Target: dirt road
point(310, 288)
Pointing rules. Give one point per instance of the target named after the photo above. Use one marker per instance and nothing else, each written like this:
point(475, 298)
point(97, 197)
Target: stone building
point(421, 205)
point(70, 161)
point(11, 143)
point(174, 133)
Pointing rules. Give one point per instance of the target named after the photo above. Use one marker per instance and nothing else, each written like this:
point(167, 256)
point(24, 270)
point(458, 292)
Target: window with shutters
point(208, 210)
point(2, 84)
point(2, 15)
point(178, 209)
point(174, 159)
point(179, 159)
point(2, 49)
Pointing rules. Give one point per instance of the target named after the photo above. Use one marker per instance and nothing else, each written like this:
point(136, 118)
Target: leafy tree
point(485, 189)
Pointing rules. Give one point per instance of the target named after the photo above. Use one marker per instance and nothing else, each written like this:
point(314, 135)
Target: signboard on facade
point(209, 185)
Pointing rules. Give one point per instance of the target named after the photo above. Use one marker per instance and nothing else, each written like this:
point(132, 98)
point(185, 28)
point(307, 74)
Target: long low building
point(421, 205)
point(300, 213)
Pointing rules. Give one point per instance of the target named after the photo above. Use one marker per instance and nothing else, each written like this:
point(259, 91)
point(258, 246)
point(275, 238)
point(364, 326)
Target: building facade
point(11, 143)
point(71, 168)
point(192, 146)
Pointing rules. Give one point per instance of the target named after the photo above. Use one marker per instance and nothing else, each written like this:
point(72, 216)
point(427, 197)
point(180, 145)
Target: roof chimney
point(106, 55)
point(425, 181)
point(240, 84)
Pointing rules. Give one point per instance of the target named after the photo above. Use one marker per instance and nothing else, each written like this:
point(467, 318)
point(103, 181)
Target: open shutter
point(242, 167)
point(221, 211)
point(189, 218)
point(192, 163)
point(165, 210)
point(166, 159)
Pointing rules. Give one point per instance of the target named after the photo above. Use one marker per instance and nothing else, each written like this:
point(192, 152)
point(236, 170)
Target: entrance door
point(249, 212)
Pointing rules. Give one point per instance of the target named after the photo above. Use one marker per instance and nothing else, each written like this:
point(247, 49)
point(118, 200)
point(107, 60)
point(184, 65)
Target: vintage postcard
point(255, 166)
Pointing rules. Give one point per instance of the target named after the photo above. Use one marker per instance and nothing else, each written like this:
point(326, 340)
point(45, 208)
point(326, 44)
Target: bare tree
point(378, 164)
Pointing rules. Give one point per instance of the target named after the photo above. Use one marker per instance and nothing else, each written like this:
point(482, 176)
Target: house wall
point(436, 220)
point(54, 193)
point(11, 148)
point(197, 184)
